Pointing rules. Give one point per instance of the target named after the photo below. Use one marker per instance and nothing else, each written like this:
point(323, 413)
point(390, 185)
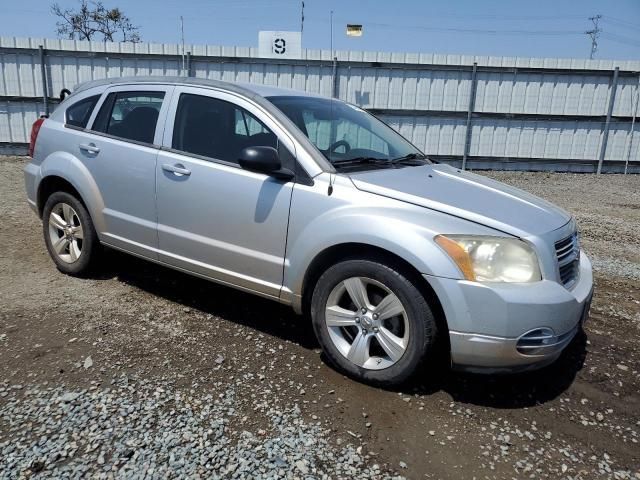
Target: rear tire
point(69, 234)
point(372, 322)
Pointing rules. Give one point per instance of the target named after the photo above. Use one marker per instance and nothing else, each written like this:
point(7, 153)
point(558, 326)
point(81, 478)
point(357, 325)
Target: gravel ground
point(140, 371)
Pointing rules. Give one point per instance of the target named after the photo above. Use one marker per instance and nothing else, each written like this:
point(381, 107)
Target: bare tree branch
point(93, 19)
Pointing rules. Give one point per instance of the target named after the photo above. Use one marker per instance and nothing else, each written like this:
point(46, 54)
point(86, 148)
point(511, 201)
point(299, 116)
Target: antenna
point(331, 21)
point(182, 35)
point(594, 34)
point(302, 18)
point(332, 133)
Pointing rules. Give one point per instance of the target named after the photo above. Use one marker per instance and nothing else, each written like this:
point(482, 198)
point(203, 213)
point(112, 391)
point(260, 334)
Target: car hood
point(465, 195)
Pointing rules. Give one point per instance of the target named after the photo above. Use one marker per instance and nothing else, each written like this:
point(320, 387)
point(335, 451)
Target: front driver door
point(214, 218)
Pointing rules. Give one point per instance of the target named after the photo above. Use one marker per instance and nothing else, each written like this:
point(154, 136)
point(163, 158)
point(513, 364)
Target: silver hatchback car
point(316, 204)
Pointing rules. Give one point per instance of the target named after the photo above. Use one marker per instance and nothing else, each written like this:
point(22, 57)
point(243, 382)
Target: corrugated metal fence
point(488, 112)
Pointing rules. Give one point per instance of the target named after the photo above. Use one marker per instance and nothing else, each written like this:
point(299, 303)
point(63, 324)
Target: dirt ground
point(579, 418)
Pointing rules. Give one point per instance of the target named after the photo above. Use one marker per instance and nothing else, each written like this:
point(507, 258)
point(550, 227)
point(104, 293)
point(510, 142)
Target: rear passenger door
point(121, 151)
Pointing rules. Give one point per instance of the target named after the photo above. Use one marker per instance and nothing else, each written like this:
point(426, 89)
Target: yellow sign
point(354, 30)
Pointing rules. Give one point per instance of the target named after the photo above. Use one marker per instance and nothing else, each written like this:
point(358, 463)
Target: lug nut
point(357, 319)
point(375, 329)
point(375, 316)
point(364, 310)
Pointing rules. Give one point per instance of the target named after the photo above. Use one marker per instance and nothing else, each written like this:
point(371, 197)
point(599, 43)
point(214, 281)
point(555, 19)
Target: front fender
point(71, 169)
point(319, 221)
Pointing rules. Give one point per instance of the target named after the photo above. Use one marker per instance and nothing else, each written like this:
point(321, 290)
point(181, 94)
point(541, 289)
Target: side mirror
point(264, 160)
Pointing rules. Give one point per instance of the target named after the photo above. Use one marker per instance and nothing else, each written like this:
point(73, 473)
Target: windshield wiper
point(414, 159)
point(359, 160)
point(411, 159)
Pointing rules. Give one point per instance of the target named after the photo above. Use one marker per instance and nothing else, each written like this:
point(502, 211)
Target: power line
point(621, 39)
point(594, 34)
point(478, 30)
point(509, 17)
point(621, 23)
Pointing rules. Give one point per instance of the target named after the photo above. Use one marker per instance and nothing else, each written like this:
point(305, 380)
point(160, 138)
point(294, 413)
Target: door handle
point(89, 147)
point(177, 169)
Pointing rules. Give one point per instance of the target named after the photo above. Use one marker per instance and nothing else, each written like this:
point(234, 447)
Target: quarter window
point(130, 115)
point(78, 114)
point(217, 129)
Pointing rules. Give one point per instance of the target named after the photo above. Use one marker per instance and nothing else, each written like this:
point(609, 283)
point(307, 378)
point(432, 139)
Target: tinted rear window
point(79, 113)
point(130, 115)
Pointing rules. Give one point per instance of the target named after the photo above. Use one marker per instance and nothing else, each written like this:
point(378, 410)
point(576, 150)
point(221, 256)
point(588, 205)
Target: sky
point(538, 28)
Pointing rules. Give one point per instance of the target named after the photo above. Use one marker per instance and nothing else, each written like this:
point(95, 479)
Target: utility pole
point(594, 34)
point(182, 35)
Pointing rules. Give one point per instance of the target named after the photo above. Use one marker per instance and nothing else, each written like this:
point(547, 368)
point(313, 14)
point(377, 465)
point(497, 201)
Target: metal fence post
point(472, 103)
point(634, 112)
point(45, 84)
point(189, 64)
point(605, 131)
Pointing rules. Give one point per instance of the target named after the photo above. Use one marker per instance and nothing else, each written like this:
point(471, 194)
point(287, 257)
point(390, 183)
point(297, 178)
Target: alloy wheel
point(65, 232)
point(367, 323)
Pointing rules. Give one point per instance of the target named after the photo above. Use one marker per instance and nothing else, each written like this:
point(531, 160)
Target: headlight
point(492, 259)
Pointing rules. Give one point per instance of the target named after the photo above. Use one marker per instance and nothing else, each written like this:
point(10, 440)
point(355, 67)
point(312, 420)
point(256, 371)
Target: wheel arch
point(51, 184)
point(362, 251)
point(64, 172)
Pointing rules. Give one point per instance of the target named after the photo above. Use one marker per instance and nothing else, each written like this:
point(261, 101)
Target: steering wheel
point(340, 143)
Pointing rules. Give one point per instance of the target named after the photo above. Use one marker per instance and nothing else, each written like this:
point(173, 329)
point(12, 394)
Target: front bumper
point(492, 327)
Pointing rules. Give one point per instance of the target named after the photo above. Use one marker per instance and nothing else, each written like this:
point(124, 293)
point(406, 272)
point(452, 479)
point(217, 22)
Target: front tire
point(69, 234)
point(372, 322)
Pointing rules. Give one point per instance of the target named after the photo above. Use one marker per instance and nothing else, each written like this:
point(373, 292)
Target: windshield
point(344, 133)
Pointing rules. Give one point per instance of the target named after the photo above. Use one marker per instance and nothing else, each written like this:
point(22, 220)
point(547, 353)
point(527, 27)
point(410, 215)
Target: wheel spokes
point(60, 245)
point(336, 316)
point(67, 213)
point(56, 221)
point(389, 306)
point(390, 343)
point(353, 322)
point(74, 250)
point(357, 291)
point(77, 232)
point(359, 351)
point(66, 233)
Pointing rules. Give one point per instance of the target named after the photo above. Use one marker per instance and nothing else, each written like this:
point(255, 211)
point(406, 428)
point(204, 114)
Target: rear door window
point(78, 114)
point(130, 115)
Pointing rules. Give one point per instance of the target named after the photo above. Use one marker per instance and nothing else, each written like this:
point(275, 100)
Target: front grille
point(568, 254)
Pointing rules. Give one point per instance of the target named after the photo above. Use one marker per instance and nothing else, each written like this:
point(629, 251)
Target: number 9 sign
point(279, 46)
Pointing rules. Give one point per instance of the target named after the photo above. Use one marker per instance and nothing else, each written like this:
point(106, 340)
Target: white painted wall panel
point(535, 139)
point(550, 94)
point(16, 119)
point(405, 87)
point(432, 135)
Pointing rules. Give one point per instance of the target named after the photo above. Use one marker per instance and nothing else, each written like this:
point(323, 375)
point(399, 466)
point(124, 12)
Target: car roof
point(256, 93)
point(248, 89)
